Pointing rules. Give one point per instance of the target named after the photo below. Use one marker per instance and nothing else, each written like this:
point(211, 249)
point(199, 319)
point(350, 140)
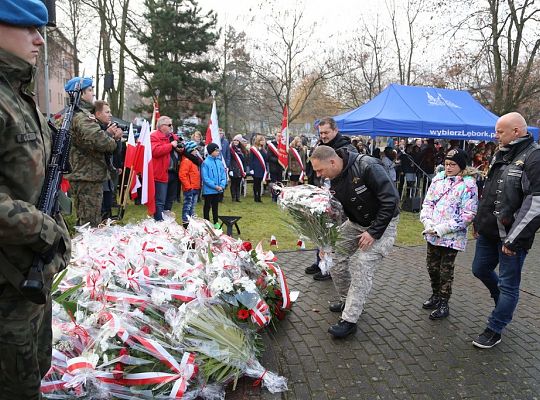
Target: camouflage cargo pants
point(353, 269)
point(440, 266)
point(25, 345)
point(87, 199)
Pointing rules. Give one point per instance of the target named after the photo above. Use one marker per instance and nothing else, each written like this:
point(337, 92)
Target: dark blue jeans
point(504, 287)
point(190, 200)
point(172, 190)
point(161, 197)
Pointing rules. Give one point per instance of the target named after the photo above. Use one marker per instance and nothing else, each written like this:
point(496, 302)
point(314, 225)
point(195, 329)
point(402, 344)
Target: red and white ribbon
point(299, 161)
point(284, 288)
point(260, 314)
point(51, 386)
point(238, 160)
point(118, 297)
point(260, 157)
point(185, 373)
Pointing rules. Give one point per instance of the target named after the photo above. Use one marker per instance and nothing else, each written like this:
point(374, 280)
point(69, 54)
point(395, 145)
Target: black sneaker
point(312, 269)
point(319, 276)
point(342, 329)
point(431, 303)
point(487, 339)
point(337, 307)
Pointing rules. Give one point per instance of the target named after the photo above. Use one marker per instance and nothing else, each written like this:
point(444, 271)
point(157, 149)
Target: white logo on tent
point(440, 101)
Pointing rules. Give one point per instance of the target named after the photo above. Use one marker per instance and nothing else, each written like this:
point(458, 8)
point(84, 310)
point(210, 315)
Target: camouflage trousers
point(353, 269)
point(87, 199)
point(25, 345)
point(440, 266)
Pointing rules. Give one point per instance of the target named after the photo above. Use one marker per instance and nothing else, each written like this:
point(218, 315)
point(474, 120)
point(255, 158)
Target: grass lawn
point(262, 220)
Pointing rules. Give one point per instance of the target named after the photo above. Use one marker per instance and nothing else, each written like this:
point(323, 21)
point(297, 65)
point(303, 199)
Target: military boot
point(442, 310)
point(432, 302)
point(342, 329)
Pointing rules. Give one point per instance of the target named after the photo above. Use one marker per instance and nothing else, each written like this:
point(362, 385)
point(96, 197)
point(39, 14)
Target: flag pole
point(287, 134)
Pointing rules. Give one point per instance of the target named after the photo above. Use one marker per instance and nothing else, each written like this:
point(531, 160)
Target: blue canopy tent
point(420, 111)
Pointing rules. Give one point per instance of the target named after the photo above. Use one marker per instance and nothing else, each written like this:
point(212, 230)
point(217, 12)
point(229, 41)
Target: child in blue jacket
point(214, 181)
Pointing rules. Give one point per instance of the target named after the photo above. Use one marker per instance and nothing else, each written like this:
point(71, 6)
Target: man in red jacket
point(166, 153)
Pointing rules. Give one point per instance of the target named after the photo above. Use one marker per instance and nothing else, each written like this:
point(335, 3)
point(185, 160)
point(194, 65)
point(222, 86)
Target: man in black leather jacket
point(371, 203)
point(328, 136)
point(507, 220)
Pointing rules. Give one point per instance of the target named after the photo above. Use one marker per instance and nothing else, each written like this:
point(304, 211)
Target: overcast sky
point(332, 16)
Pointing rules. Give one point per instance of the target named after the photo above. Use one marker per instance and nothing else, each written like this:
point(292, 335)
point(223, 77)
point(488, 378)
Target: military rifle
point(33, 287)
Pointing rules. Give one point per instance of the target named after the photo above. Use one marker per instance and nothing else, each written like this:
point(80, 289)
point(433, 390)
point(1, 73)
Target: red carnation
point(118, 371)
point(277, 292)
point(261, 282)
point(124, 351)
point(163, 272)
point(246, 246)
point(242, 314)
point(146, 329)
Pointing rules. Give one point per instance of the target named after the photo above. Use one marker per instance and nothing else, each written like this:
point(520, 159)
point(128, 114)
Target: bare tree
point(233, 77)
point(504, 42)
point(113, 15)
point(77, 23)
point(287, 60)
point(363, 69)
point(405, 48)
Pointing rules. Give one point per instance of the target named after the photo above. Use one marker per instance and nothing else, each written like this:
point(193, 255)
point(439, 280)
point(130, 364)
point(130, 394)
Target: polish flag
point(130, 148)
point(143, 165)
point(212, 132)
point(273, 241)
point(283, 145)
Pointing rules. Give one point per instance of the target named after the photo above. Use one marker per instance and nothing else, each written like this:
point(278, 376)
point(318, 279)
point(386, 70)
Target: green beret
point(24, 13)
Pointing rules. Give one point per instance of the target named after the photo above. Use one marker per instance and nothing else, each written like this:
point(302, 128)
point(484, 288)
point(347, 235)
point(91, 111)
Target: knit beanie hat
point(458, 156)
point(190, 146)
point(238, 137)
point(211, 148)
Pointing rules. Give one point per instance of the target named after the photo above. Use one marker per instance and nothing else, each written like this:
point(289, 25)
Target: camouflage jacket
point(25, 149)
point(89, 143)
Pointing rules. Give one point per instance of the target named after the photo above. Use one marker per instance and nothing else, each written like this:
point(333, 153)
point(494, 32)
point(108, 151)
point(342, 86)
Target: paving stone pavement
point(398, 352)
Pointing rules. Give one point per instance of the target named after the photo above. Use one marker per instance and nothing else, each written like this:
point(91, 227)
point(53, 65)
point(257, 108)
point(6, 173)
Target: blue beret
point(24, 13)
point(85, 83)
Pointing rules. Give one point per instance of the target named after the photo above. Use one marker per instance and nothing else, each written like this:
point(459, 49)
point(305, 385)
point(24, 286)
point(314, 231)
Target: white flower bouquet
point(315, 215)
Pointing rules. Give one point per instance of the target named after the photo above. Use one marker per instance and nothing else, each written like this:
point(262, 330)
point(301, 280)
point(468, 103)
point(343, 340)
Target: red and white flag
point(155, 115)
point(130, 148)
point(283, 145)
point(212, 132)
point(143, 165)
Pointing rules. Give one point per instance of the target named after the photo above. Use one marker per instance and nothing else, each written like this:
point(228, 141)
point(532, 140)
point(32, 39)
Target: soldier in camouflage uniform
point(25, 150)
point(89, 147)
point(371, 203)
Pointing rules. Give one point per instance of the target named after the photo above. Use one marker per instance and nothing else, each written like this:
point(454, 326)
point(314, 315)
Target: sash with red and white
point(260, 157)
point(238, 160)
point(298, 159)
point(273, 149)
